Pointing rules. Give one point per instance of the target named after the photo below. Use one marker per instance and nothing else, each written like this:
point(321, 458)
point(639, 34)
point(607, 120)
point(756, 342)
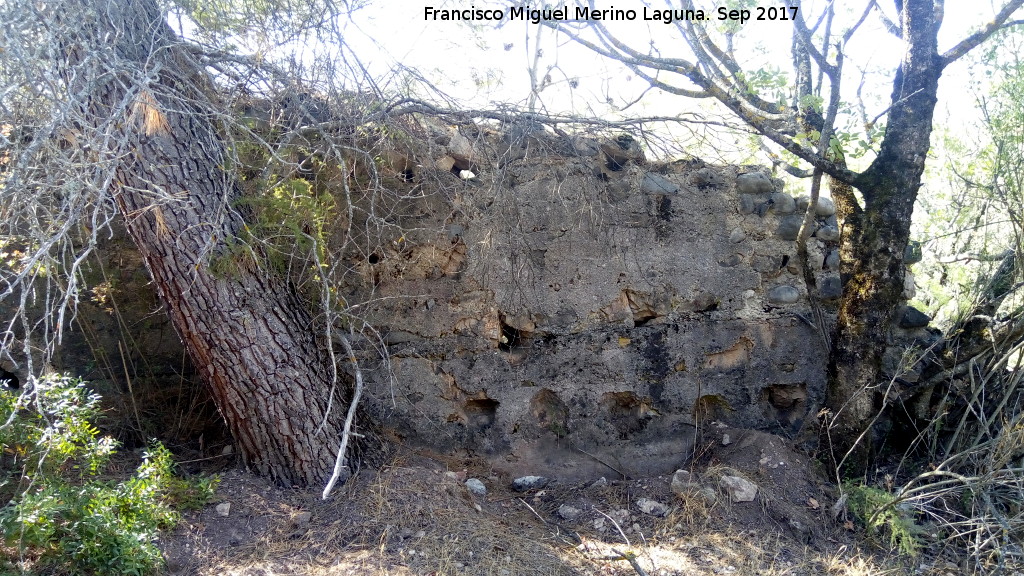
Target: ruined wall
point(572, 297)
point(569, 308)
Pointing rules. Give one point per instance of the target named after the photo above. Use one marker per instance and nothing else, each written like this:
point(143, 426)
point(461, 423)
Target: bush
point(880, 512)
point(61, 510)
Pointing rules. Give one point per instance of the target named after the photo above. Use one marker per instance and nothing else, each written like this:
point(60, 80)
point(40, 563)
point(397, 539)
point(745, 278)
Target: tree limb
point(972, 41)
point(339, 462)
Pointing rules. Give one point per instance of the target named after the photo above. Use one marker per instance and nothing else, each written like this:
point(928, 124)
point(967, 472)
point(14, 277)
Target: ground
point(416, 516)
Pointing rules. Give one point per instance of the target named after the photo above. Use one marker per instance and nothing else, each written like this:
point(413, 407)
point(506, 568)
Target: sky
point(489, 64)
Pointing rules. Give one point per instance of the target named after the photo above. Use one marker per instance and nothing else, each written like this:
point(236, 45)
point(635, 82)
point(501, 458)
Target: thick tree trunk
point(250, 337)
point(874, 239)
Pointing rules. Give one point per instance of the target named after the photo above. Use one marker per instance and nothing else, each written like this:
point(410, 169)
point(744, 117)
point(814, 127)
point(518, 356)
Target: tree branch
point(972, 41)
point(340, 460)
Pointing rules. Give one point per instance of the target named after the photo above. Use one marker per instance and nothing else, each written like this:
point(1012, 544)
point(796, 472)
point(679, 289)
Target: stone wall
point(555, 305)
point(573, 307)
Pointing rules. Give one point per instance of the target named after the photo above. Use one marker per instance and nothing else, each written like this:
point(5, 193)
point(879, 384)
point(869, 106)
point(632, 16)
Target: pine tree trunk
point(250, 337)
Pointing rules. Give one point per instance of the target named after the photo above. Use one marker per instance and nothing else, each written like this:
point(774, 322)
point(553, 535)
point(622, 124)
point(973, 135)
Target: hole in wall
point(710, 407)
point(511, 337)
point(786, 403)
point(642, 320)
point(459, 166)
point(665, 208)
point(480, 412)
point(612, 165)
point(550, 412)
point(628, 412)
point(373, 258)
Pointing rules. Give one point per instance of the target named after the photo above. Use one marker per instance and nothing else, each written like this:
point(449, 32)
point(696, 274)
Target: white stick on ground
point(339, 462)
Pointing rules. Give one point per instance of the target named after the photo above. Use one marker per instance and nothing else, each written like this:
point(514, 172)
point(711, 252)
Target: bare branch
point(891, 26)
point(972, 41)
point(805, 38)
point(340, 462)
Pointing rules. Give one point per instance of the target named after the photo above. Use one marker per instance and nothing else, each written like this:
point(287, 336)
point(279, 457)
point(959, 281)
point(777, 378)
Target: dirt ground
point(416, 516)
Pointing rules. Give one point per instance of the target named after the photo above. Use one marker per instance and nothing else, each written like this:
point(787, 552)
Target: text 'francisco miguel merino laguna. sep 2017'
point(612, 14)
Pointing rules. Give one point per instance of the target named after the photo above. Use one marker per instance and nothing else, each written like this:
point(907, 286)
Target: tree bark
point(874, 239)
point(249, 335)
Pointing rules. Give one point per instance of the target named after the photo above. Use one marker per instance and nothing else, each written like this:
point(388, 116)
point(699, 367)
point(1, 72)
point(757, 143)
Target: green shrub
point(880, 512)
point(61, 510)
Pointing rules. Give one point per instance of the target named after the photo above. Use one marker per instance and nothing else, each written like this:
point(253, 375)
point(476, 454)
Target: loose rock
point(651, 507)
point(737, 235)
point(476, 487)
point(739, 489)
point(682, 482)
point(567, 512)
point(620, 515)
point(525, 483)
point(459, 476)
point(224, 509)
point(708, 495)
point(301, 520)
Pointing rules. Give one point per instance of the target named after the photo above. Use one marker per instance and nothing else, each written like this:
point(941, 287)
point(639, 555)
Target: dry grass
point(407, 520)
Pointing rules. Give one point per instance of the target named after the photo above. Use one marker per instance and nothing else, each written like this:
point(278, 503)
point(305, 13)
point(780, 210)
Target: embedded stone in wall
point(657, 184)
point(627, 411)
point(706, 178)
point(624, 149)
point(730, 261)
point(789, 227)
point(912, 254)
point(788, 402)
point(737, 235)
point(645, 306)
point(618, 311)
point(747, 205)
point(462, 150)
point(825, 207)
point(783, 295)
point(827, 234)
point(754, 183)
point(831, 288)
point(914, 318)
point(909, 285)
point(832, 260)
point(783, 203)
